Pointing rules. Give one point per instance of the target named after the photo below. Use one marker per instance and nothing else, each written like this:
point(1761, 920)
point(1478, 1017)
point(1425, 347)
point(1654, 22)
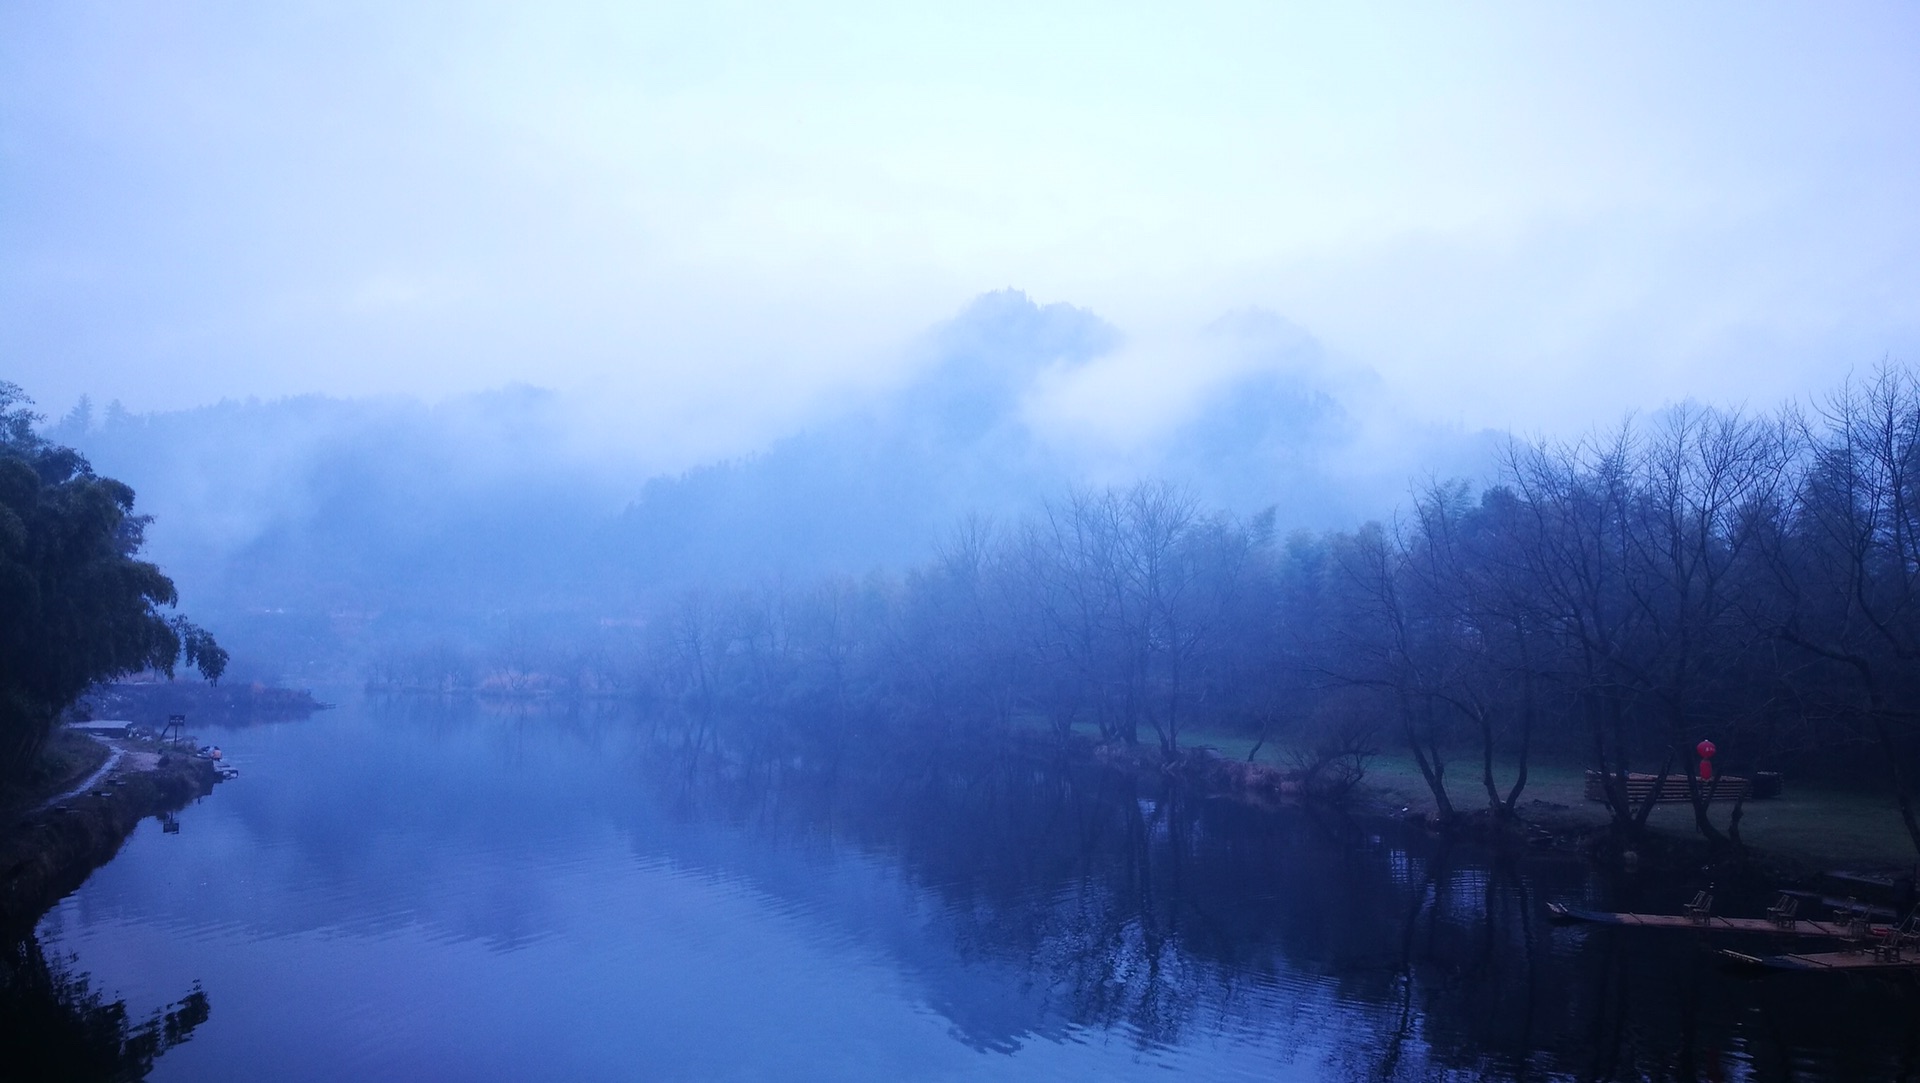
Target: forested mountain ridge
point(302, 521)
point(1744, 578)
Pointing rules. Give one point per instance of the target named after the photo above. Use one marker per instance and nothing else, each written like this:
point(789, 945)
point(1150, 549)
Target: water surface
point(424, 891)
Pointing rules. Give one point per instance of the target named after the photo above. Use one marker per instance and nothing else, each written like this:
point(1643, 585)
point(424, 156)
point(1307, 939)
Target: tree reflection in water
point(55, 1026)
point(1027, 902)
point(1129, 906)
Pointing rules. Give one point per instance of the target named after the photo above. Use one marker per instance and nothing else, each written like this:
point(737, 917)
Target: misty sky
point(711, 219)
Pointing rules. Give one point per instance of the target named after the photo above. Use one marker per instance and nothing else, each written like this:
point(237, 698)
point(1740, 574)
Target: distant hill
point(311, 520)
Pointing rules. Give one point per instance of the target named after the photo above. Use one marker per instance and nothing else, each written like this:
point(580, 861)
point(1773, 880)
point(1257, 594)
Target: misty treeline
point(436, 519)
point(1749, 578)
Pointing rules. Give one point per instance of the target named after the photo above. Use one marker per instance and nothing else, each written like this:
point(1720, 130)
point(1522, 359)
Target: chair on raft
point(1901, 938)
point(1700, 910)
point(1784, 911)
point(1859, 926)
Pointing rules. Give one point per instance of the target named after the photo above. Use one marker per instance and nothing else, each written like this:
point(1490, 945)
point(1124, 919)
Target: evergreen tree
point(77, 605)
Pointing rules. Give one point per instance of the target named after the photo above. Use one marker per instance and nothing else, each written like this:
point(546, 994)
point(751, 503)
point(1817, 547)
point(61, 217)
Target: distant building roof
point(108, 727)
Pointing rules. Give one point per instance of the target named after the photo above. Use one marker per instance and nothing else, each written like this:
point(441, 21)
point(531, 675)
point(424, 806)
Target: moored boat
point(1835, 930)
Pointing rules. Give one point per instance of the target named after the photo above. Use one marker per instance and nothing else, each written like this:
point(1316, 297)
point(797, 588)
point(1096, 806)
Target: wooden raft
point(1672, 788)
point(1798, 927)
point(1825, 960)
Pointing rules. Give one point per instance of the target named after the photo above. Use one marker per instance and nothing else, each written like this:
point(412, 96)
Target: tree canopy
point(77, 605)
point(1749, 578)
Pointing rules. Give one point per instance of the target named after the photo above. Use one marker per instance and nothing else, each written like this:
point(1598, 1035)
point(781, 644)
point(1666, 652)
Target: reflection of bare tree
point(1113, 902)
point(54, 1025)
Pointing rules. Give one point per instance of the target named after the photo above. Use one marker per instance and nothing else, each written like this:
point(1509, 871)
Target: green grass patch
point(1816, 825)
point(1812, 825)
point(66, 758)
point(1819, 825)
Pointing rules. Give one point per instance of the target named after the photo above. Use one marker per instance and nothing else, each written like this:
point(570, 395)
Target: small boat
point(1825, 960)
point(1832, 930)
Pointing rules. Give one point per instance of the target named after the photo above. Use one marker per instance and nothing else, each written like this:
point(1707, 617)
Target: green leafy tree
point(77, 605)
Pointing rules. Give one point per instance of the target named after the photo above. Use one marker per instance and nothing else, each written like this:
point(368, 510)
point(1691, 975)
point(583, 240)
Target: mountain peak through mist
point(978, 366)
point(314, 504)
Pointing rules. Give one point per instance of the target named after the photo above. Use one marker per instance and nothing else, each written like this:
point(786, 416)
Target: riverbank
point(1805, 830)
point(1832, 842)
point(73, 818)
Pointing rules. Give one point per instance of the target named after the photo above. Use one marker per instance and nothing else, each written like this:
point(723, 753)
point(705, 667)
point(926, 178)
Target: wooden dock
point(1801, 927)
point(1825, 960)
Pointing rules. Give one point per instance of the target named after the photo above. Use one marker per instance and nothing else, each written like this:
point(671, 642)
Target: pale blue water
point(433, 892)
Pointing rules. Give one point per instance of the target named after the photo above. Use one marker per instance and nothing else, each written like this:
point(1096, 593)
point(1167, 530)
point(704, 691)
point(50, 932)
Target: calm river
point(423, 891)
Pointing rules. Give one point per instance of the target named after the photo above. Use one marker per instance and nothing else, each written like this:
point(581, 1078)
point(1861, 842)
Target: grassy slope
point(66, 759)
point(1836, 828)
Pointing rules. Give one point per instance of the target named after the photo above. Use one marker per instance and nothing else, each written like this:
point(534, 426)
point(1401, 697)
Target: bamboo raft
point(1711, 924)
point(1825, 960)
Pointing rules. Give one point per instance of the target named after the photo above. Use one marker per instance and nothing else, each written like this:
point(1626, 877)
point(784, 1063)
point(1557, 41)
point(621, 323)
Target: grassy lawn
point(1837, 828)
point(67, 757)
